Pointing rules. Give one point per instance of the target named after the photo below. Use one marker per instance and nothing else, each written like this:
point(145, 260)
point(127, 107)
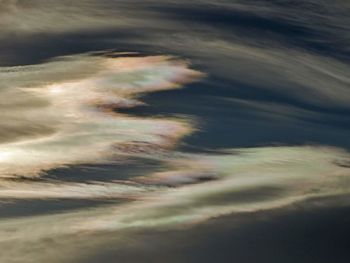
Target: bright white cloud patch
point(61, 113)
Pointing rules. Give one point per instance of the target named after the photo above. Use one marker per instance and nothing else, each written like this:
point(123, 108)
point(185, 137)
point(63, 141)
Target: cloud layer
point(243, 181)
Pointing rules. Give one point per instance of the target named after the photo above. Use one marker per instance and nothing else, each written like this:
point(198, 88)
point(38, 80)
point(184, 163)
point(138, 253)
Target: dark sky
point(269, 111)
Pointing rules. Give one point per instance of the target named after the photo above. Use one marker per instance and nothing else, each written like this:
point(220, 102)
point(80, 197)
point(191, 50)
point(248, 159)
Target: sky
point(125, 125)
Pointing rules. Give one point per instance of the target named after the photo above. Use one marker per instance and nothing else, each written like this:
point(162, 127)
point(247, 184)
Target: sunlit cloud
point(80, 110)
point(65, 113)
point(246, 180)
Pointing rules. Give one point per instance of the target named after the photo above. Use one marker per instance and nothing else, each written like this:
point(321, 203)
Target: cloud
point(247, 180)
point(282, 65)
point(62, 112)
point(293, 61)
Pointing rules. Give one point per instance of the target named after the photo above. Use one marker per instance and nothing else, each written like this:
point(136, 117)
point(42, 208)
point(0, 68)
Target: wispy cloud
point(246, 180)
point(61, 113)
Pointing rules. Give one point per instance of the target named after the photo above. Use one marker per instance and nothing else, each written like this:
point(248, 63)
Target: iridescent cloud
point(64, 112)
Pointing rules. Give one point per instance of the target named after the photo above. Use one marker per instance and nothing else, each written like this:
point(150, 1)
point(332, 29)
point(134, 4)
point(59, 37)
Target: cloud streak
point(77, 110)
point(246, 180)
